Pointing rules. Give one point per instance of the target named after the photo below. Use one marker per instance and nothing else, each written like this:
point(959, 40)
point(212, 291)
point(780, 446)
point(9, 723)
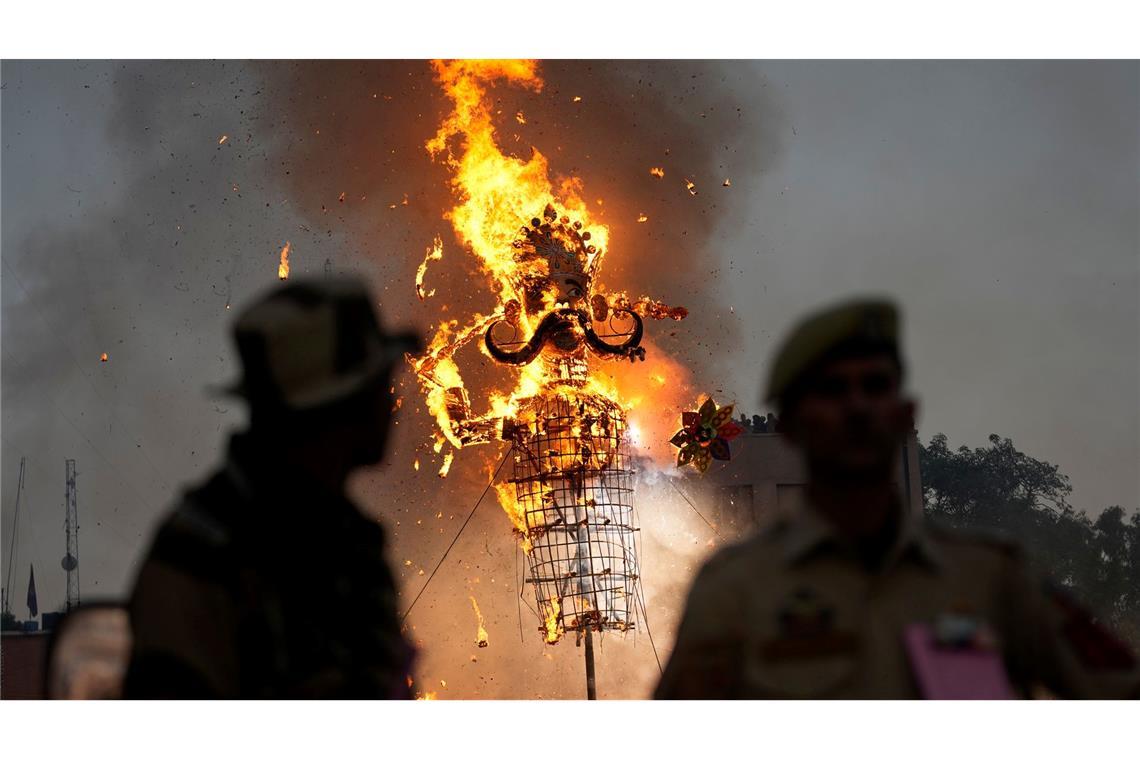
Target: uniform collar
point(808, 531)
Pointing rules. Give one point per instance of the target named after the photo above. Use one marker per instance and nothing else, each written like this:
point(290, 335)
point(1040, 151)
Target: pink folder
point(954, 672)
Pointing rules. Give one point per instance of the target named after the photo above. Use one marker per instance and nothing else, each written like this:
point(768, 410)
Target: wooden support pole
point(591, 689)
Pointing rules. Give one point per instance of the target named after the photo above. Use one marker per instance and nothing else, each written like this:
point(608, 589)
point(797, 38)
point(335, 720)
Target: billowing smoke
point(141, 260)
point(129, 224)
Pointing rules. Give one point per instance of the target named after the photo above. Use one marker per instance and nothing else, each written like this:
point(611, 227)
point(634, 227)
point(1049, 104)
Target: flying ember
point(481, 635)
point(283, 267)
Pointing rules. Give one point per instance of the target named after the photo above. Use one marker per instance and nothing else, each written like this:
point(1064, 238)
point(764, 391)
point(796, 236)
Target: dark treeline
point(998, 488)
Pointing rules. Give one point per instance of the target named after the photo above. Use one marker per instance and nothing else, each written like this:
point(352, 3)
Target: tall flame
point(495, 194)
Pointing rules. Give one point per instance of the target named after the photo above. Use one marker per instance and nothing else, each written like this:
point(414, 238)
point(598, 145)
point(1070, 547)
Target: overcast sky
point(997, 201)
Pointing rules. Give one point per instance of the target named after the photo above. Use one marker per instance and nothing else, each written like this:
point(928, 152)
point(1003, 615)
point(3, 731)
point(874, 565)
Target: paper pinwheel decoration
point(705, 435)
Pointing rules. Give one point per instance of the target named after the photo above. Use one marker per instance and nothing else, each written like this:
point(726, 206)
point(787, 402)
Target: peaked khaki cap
point(875, 320)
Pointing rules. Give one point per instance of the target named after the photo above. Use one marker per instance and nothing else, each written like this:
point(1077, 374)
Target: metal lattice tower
point(70, 560)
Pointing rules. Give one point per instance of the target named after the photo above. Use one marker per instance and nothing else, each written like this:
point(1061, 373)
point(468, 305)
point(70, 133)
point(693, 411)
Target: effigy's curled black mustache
point(629, 349)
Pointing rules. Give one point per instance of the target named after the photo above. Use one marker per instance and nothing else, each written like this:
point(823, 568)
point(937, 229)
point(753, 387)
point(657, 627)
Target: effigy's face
point(557, 290)
point(569, 289)
point(553, 255)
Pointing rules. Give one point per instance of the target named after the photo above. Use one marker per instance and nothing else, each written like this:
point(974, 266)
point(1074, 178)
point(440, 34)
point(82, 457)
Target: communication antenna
point(12, 544)
point(70, 561)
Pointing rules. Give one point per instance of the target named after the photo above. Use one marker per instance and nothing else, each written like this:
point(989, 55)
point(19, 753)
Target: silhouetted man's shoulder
point(980, 557)
point(182, 610)
point(736, 558)
point(714, 631)
point(200, 531)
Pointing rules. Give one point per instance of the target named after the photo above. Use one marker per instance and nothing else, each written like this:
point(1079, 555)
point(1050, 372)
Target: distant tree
point(1000, 488)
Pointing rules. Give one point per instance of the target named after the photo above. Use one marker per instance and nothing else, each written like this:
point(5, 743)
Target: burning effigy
point(569, 494)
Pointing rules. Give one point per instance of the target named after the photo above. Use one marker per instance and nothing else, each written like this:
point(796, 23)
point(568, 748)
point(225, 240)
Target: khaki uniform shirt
point(795, 613)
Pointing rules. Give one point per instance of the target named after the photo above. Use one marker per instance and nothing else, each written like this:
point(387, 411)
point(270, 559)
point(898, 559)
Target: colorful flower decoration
point(705, 435)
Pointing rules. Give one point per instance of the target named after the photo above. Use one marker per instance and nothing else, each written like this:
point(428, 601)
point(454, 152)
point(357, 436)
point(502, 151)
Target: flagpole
point(33, 603)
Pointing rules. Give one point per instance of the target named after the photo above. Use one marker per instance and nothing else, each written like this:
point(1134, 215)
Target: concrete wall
point(22, 661)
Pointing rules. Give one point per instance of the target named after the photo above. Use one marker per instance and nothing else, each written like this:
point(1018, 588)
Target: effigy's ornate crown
point(562, 244)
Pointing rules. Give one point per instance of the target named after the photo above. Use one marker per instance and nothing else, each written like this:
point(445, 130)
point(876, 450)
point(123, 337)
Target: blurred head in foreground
point(838, 382)
point(317, 371)
point(226, 602)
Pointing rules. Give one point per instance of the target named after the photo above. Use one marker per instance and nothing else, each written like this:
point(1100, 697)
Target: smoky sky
point(997, 201)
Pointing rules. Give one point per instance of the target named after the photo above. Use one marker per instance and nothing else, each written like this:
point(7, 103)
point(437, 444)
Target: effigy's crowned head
point(555, 254)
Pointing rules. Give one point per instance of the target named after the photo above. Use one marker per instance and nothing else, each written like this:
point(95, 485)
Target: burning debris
point(434, 253)
point(727, 183)
point(690, 187)
point(283, 266)
point(222, 139)
point(481, 635)
point(642, 218)
point(103, 356)
point(657, 171)
point(552, 623)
